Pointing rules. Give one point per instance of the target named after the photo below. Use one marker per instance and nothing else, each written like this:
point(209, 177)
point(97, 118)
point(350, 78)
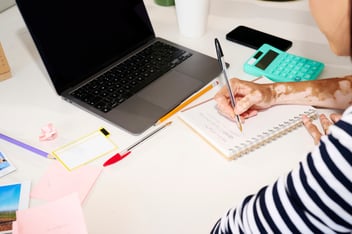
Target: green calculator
point(280, 66)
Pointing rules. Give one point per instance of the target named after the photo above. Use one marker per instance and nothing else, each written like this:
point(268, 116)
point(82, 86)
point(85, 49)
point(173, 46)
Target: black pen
point(220, 55)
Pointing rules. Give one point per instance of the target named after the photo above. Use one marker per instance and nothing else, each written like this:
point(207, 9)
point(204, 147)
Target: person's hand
point(325, 124)
point(249, 96)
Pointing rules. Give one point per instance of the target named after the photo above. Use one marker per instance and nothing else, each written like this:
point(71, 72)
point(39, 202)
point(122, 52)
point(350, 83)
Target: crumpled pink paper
point(48, 133)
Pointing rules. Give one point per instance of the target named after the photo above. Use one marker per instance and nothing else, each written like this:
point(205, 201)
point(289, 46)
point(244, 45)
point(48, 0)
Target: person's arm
point(250, 97)
point(330, 93)
point(313, 198)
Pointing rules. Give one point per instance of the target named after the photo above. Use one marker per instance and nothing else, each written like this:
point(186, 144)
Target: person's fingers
point(222, 93)
point(243, 104)
point(312, 129)
point(225, 109)
point(335, 117)
point(248, 114)
point(325, 123)
point(222, 103)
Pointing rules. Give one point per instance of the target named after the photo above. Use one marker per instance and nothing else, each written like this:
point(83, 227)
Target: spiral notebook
point(224, 135)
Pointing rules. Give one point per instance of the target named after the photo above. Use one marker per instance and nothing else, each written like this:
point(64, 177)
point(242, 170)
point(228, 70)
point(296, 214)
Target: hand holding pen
point(223, 67)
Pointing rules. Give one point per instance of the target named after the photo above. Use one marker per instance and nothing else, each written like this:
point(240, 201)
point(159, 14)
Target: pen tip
point(240, 126)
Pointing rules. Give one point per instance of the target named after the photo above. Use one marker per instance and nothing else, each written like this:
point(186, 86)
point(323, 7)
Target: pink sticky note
point(57, 182)
point(56, 217)
point(14, 227)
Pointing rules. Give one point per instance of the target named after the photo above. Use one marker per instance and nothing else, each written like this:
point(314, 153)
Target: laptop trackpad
point(170, 90)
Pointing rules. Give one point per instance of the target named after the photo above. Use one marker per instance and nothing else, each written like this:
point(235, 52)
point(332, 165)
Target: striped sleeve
point(316, 197)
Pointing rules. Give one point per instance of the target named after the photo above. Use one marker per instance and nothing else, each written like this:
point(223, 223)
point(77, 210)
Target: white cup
point(192, 16)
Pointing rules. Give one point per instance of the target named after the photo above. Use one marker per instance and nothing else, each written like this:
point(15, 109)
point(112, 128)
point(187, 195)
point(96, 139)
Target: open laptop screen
point(78, 38)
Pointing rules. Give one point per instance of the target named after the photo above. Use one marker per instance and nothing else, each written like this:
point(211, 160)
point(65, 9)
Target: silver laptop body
point(80, 40)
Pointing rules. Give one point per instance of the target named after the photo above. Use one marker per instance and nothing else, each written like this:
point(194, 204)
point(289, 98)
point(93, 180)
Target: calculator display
point(267, 59)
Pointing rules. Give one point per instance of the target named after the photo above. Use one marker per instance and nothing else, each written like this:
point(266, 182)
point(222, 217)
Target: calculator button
point(297, 78)
point(307, 76)
point(314, 63)
point(290, 57)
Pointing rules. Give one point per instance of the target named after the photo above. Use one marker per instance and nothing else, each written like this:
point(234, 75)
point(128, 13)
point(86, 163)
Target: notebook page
point(224, 135)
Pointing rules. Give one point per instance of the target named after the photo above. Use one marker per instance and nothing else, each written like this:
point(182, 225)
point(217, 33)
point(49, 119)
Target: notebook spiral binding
point(270, 135)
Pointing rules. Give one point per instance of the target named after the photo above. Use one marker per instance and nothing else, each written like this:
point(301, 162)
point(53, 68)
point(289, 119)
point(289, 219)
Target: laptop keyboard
point(121, 82)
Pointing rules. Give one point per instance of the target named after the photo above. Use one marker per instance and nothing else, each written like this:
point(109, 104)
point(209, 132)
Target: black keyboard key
point(121, 82)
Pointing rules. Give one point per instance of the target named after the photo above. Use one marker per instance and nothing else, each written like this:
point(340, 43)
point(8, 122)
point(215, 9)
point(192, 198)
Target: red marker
point(117, 157)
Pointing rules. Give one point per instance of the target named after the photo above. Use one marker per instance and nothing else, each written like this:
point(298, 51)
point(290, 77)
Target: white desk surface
point(174, 182)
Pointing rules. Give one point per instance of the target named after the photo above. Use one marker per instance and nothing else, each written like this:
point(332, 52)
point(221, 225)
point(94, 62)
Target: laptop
point(104, 56)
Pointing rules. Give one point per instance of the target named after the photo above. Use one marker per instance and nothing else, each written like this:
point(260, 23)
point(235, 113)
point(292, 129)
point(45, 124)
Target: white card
point(85, 149)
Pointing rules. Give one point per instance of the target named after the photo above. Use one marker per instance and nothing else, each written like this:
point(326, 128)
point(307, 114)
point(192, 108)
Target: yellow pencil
point(188, 101)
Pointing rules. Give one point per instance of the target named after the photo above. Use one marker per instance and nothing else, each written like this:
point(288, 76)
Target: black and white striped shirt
point(316, 197)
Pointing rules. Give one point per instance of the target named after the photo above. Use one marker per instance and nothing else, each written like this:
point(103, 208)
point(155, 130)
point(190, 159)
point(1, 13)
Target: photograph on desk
point(6, 166)
point(13, 197)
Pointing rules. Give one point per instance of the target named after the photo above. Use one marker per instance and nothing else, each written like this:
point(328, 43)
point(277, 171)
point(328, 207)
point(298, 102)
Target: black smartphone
point(254, 38)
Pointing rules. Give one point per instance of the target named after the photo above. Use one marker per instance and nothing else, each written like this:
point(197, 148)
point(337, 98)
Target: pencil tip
point(50, 156)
